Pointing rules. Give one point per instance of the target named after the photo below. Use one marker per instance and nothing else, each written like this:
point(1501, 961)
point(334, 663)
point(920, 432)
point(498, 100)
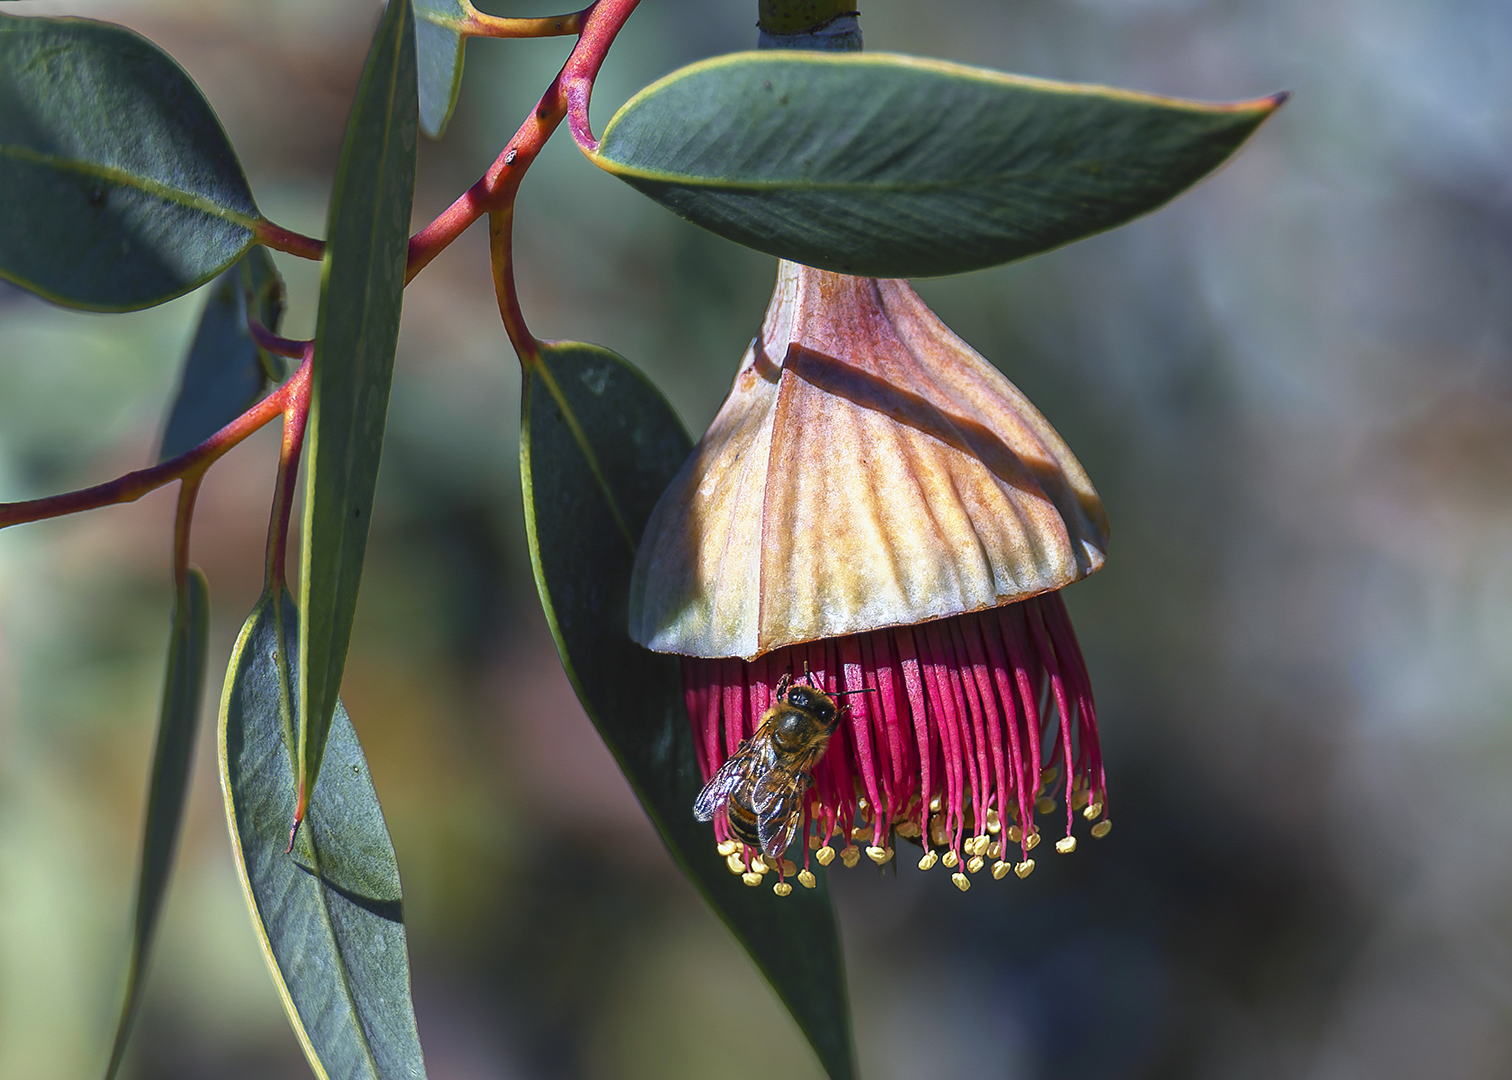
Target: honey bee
point(760, 788)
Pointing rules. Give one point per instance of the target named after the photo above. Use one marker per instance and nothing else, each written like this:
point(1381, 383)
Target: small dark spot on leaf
point(356, 769)
point(783, 100)
point(356, 511)
point(97, 196)
point(766, 84)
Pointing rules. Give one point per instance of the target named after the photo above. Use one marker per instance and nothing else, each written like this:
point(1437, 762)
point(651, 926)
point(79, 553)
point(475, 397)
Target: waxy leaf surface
point(356, 333)
point(171, 759)
point(891, 166)
point(225, 371)
point(438, 56)
point(598, 446)
point(120, 188)
point(329, 913)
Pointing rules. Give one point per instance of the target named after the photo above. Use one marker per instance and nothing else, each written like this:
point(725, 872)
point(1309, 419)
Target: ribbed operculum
point(869, 469)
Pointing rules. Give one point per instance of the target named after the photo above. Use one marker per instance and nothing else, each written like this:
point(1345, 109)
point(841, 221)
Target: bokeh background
point(1293, 389)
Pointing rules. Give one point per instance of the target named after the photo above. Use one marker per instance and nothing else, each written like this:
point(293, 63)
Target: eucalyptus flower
point(877, 511)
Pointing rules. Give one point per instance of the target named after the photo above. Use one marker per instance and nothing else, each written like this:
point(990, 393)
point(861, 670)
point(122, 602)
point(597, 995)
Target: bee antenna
point(863, 690)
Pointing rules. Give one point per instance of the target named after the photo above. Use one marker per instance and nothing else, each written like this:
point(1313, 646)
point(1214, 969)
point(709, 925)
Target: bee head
point(815, 702)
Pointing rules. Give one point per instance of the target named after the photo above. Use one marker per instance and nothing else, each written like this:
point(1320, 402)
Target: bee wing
point(778, 800)
point(717, 791)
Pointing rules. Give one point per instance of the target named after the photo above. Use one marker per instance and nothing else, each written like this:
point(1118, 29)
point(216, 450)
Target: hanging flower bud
point(877, 512)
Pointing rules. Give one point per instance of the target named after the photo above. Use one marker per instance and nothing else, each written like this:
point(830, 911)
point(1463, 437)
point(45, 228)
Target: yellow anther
point(806, 878)
point(782, 888)
point(1015, 834)
point(789, 868)
point(850, 855)
point(759, 865)
point(751, 879)
point(1000, 870)
point(824, 855)
point(878, 855)
point(1079, 798)
point(735, 863)
point(1100, 830)
point(1079, 783)
point(994, 821)
point(962, 882)
point(1044, 805)
point(1093, 811)
point(974, 864)
point(814, 842)
point(994, 849)
point(929, 859)
point(934, 805)
point(1033, 841)
point(1025, 868)
point(1066, 846)
point(939, 836)
point(1047, 776)
point(910, 829)
point(951, 859)
point(727, 848)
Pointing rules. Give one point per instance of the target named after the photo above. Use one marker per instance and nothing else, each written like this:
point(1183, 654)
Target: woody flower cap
point(876, 505)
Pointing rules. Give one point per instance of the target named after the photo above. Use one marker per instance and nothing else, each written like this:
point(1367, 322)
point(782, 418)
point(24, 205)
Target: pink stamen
point(957, 710)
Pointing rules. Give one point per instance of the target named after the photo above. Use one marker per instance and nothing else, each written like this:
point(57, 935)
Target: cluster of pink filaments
point(953, 735)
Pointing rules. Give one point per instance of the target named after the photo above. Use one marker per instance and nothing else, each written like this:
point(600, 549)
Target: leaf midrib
point(833, 187)
point(125, 178)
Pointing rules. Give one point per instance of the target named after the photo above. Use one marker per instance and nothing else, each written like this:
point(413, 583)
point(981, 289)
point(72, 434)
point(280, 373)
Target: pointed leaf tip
point(357, 332)
point(329, 915)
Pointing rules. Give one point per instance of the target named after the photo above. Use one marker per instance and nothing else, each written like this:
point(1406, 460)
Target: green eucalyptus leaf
point(356, 333)
point(121, 189)
point(329, 913)
point(891, 166)
point(438, 54)
point(168, 788)
point(225, 371)
point(598, 444)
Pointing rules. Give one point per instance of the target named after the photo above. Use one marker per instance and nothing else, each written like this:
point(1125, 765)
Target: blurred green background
point(1293, 389)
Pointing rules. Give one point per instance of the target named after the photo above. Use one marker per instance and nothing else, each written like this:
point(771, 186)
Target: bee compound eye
point(802, 697)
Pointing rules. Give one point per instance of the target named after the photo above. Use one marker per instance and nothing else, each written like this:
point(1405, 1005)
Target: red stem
point(295, 417)
point(271, 342)
point(183, 519)
point(493, 193)
point(189, 465)
point(496, 189)
point(280, 239)
point(500, 256)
